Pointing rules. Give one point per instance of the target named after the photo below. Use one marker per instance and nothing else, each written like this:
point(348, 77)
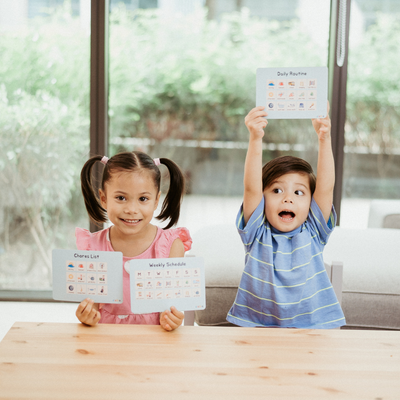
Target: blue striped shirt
point(284, 282)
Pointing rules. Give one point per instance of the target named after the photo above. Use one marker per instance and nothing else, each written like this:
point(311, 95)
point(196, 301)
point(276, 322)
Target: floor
point(11, 312)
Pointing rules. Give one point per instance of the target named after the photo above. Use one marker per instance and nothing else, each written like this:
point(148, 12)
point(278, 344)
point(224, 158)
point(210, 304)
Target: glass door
point(44, 134)
point(371, 181)
point(182, 79)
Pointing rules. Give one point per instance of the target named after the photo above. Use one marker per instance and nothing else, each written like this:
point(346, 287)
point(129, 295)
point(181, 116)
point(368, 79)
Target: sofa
point(371, 274)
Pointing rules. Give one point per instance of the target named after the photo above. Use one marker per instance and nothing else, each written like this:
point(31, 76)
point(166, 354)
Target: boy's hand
point(323, 126)
point(256, 122)
point(170, 320)
point(88, 312)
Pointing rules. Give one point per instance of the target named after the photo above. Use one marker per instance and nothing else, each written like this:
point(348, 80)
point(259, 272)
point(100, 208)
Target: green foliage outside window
point(184, 78)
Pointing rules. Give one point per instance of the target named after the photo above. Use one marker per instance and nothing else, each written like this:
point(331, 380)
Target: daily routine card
point(292, 93)
point(79, 274)
point(158, 284)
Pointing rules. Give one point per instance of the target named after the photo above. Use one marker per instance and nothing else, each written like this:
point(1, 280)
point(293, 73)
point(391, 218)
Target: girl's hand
point(170, 320)
point(88, 312)
point(323, 126)
point(256, 122)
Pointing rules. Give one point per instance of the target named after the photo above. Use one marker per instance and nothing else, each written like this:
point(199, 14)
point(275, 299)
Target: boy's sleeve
point(318, 224)
point(249, 231)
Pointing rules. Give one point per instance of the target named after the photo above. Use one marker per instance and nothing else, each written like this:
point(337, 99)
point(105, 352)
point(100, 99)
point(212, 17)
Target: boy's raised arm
point(323, 194)
point(253, 192)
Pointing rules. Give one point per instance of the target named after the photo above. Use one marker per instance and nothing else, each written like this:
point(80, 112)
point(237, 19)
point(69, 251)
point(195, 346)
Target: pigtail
point(96, 212)
point(172, 203)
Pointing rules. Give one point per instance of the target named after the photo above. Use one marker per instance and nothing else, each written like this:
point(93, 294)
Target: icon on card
point(150, 295)
point(312, 83)
point(91, 289)
point(291, 83)
point(102, 267)
point(70, 265)
point(271, 84)
point(271, 106)
point(91, 267)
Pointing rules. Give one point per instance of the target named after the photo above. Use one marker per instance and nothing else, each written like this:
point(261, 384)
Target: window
point(182, 78)
point(44, 125)
point(372, 130)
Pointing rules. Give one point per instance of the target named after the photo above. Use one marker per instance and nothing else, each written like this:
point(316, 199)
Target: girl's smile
point(130, 199)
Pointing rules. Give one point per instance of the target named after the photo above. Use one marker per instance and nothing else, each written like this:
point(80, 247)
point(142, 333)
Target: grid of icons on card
point(168, 284)
point(86, 277)
point(291, 95)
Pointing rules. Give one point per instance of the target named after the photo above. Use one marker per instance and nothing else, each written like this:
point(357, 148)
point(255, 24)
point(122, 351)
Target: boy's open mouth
point(287, 215)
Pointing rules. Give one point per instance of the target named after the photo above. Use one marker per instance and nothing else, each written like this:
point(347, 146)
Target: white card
point(159, 283)
point(79, 274)
point(293, 93)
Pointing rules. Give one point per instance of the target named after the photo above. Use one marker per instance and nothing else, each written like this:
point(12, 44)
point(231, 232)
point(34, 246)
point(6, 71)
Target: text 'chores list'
point(79, 274)
point(293, 93)
point(158, 284)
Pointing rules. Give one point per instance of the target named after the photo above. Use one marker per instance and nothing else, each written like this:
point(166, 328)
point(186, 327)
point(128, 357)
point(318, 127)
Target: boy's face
point(287, 201)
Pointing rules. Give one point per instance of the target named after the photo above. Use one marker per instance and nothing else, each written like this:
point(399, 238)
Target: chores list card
point(293, 93)
point(158, 284)
point(79, 274)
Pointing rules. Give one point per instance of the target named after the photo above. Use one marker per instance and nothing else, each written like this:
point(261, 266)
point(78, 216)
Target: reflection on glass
point(182, 79)
point(44, 120)
point(372, 132)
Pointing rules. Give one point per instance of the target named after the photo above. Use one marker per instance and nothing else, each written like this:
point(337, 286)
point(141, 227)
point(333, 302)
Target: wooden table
point(71, 361)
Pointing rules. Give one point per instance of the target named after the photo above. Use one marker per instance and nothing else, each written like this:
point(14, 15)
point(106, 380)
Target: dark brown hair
point(134, 161)
point(279, 166)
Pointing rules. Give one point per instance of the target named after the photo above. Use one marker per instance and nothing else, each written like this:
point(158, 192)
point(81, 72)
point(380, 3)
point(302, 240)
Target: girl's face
point(287, 201)
point(130, 199)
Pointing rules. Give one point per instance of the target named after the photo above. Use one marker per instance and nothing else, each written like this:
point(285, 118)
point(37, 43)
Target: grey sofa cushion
point(391, 221)
point(371, 274)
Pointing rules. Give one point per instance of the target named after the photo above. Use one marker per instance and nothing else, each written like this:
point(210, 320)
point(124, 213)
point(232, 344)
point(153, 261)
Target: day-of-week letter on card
point(79, 274)
point(293, 93)
point(158, 284)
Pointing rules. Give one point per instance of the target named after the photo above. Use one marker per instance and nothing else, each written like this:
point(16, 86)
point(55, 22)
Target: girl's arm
point(172, 319)
point(253, 190)
point(323, 194)
point(88, 312)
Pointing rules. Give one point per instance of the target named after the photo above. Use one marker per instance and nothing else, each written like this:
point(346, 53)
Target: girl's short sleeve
point(83, 237)
point(169, 236)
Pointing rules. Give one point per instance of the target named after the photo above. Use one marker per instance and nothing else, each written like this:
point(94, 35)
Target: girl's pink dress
point(160, 248)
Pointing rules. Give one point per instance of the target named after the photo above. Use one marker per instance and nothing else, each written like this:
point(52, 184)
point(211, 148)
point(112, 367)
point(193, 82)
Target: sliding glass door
point(182, 79)
point(44, 125)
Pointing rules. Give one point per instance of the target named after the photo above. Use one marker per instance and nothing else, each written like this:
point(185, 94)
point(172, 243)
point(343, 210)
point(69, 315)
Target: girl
point(129, 195)
point(285, 221)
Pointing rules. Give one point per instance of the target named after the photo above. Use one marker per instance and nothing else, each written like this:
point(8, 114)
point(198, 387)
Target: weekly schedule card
point(158, 284)
point(79, 274)
point(293, 93)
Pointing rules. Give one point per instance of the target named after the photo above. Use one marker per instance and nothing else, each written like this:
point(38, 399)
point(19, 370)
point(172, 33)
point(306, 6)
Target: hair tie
point(156, 161)
point(104, 160)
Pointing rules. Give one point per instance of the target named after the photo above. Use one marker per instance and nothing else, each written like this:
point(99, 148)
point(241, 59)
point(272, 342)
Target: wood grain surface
point(72, 361)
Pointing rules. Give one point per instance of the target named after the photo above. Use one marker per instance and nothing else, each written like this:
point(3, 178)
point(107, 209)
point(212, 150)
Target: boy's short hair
point(279, 166)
